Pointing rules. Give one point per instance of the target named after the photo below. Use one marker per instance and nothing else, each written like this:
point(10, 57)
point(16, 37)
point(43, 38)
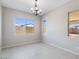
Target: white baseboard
point(21, 43)
point(65, 49)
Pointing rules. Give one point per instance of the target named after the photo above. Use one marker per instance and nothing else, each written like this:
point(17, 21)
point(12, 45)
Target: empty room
point(39, 29)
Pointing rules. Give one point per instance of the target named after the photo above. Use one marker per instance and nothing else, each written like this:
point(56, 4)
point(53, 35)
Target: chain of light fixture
point(35, 10)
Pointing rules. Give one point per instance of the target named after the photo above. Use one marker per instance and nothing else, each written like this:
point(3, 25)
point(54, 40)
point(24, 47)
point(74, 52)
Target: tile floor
point(36, 51)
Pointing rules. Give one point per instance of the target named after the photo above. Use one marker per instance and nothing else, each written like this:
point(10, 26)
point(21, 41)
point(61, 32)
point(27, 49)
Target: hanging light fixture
point(35, 10)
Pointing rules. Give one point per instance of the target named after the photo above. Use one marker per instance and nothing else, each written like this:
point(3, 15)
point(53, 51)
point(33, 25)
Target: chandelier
point(35, 10)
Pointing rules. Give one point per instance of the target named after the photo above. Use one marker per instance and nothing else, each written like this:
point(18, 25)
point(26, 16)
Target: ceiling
point(26, 5)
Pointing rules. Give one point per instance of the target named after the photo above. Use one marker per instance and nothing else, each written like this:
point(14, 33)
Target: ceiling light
point(36, 11)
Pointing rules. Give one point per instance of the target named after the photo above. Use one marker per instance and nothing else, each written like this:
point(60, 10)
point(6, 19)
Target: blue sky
point(22, 21)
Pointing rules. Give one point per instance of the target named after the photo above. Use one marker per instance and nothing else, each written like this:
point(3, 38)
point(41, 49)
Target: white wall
point(0, 27)
point(57, 28)
point(9, 34)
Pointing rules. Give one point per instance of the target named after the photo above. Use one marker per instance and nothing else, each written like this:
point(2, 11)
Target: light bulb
point(36, 8)
point(32, 9)
point(40, 10)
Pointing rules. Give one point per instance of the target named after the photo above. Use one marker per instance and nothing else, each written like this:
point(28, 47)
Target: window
point(24, 26)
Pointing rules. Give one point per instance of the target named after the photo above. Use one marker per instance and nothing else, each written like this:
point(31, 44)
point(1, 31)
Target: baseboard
point(64, 49)
point(20, 43)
